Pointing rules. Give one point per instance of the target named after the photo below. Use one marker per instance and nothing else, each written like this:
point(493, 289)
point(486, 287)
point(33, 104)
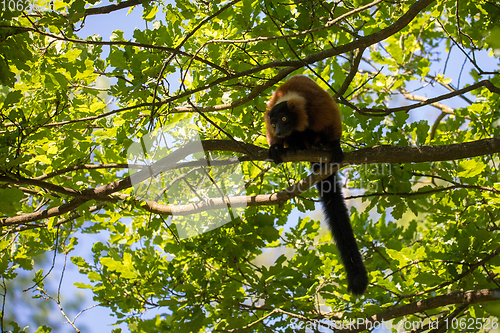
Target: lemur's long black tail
point(339, 223)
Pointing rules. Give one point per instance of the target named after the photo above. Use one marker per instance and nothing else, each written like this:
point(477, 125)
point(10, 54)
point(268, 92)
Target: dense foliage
point(422, 177)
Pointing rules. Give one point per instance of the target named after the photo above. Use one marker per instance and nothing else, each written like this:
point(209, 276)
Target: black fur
point(339, 223)
point(283, 128)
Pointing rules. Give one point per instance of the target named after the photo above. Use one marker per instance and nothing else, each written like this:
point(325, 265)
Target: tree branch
point(444, 108)
point(376, 154)
point(172, 50)
point(184, 40)
point(454, 297)
point(360, 43)
point(328, 24)
point(384, 112)
point(243, 201)
point(351, 75)
point(290, 66)
point(110, 8)
point(43, 214)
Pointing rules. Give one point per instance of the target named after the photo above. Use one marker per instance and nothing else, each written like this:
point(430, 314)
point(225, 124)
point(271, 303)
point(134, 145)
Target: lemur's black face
point(282, 120)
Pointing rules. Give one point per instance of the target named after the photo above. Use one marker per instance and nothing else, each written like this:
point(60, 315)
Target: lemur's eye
point(273, 125)
point(284, 118)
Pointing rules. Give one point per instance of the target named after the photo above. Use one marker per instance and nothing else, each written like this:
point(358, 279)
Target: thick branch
point(376, 154)
point(43, 214)
point(416, 154)
point(243, 201)
point(27, 225)
point(111, 8)
point(454, 297)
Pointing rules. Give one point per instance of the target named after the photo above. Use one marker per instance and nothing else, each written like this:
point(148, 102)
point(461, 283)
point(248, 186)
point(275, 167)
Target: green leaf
point(43, 329)
point(10, 199)
point(12, 98)
point(125, 267)
point(83, 285)
point(493, 308)
point(492, 39)
point(471, 168)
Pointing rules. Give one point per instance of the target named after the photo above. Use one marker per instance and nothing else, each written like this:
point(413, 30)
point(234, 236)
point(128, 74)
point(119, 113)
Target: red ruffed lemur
point(300, 115)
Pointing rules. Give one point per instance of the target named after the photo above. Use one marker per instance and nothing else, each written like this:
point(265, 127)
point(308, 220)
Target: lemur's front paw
point(275, 153)
point(337, 154)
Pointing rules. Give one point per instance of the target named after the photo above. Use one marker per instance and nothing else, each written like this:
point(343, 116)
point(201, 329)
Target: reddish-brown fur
point(317, 111)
